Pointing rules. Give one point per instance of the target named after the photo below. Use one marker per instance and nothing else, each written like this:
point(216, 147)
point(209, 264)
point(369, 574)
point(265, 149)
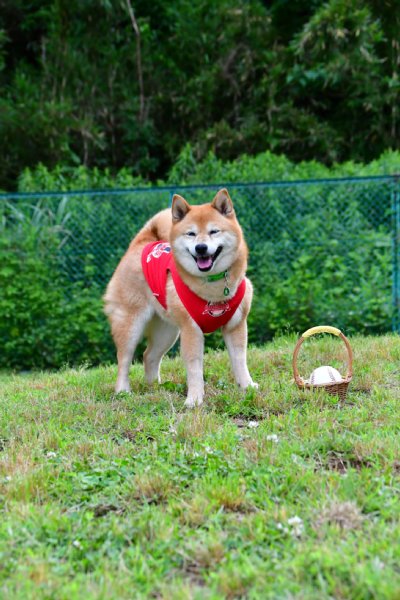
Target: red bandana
point(157, 260)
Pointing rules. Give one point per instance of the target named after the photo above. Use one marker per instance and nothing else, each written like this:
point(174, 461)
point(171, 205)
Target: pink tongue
point(204, 263)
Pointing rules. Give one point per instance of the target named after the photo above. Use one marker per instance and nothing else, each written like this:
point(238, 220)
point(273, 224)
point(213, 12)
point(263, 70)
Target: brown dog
point(184, 272)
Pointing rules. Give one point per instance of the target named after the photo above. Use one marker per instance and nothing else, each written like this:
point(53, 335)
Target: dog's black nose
point(201, 249)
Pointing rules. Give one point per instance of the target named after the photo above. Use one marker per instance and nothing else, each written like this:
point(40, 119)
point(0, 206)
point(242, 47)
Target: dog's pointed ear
point(223, 203)
point(180, 208)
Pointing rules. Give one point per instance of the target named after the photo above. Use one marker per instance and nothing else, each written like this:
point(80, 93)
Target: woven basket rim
point(344, 381)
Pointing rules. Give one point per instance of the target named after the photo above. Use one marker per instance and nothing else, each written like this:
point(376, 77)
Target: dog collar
point(218, 277)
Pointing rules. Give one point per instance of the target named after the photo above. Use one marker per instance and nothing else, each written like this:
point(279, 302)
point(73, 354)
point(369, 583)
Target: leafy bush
point(267, 166)
point(187, 170)
point(352, 292)
point(45, 321)
point(66, 179)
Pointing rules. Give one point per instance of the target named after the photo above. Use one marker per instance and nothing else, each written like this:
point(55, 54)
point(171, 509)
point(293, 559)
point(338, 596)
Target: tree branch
point(138, 59)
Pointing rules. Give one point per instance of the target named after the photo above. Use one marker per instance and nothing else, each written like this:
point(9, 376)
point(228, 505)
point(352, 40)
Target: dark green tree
point(127, 83)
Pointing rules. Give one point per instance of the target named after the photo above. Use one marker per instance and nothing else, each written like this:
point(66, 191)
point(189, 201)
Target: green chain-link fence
point(321, 251)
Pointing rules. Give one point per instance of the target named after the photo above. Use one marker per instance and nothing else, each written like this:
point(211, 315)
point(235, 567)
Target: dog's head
point(206, 238)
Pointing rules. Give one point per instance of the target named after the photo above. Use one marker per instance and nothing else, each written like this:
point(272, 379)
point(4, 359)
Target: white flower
point(208, 450)
point(297, 526)
point(273, 438)
point(295, 521)
point(77, 544)
point(253, 424)
point(8, 478)
point(51, 455)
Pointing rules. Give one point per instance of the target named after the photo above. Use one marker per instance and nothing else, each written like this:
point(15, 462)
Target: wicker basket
point(334, 388)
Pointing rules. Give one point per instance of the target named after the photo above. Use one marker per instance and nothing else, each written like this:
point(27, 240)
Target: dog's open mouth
point(205, 263)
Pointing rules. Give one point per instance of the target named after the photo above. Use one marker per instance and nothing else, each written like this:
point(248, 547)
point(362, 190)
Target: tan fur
point(133, 311)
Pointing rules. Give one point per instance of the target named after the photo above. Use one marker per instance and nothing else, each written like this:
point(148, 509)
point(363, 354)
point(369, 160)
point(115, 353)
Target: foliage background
point(312, 79)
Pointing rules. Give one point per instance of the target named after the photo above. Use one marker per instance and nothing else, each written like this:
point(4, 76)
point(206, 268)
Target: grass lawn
point(276, 494)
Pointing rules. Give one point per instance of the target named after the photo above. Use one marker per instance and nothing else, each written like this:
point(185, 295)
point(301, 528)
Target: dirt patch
point(239, 422)
point(396, 467)
point(132, 434)
point(336, 461)
point(345, 515)
point(246, 421)
point(103, 509)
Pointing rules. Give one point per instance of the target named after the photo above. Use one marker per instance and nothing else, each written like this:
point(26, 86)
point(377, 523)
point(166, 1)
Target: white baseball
point(325, 374)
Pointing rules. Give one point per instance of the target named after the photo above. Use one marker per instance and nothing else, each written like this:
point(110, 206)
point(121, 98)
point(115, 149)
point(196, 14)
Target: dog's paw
point(253, 385)
point(192, 402)
point(249, 385)
point(122, 387)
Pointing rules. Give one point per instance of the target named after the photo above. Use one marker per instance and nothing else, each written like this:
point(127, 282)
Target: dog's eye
point(214, 231)
point(191, 233)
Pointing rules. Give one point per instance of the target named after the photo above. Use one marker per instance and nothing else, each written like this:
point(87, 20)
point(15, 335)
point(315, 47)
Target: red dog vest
point(157, 261)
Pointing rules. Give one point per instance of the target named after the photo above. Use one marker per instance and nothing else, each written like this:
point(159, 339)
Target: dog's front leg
point(192, 350)
point(236, 343)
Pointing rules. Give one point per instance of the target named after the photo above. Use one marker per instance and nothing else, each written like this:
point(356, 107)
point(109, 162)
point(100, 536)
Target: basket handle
point(314, 331)
point(321, 329)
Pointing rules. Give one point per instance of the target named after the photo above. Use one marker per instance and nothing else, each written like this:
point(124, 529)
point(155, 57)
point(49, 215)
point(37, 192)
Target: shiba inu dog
point(184, 273)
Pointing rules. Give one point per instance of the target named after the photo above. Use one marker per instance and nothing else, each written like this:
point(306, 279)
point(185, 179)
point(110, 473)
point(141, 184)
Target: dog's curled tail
point(157, 228)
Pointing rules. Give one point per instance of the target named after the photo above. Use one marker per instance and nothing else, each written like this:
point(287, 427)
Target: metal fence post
point(396, 254)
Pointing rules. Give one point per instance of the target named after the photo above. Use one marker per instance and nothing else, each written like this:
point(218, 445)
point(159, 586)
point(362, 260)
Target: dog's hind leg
point(127, 333)
point(161, 336)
